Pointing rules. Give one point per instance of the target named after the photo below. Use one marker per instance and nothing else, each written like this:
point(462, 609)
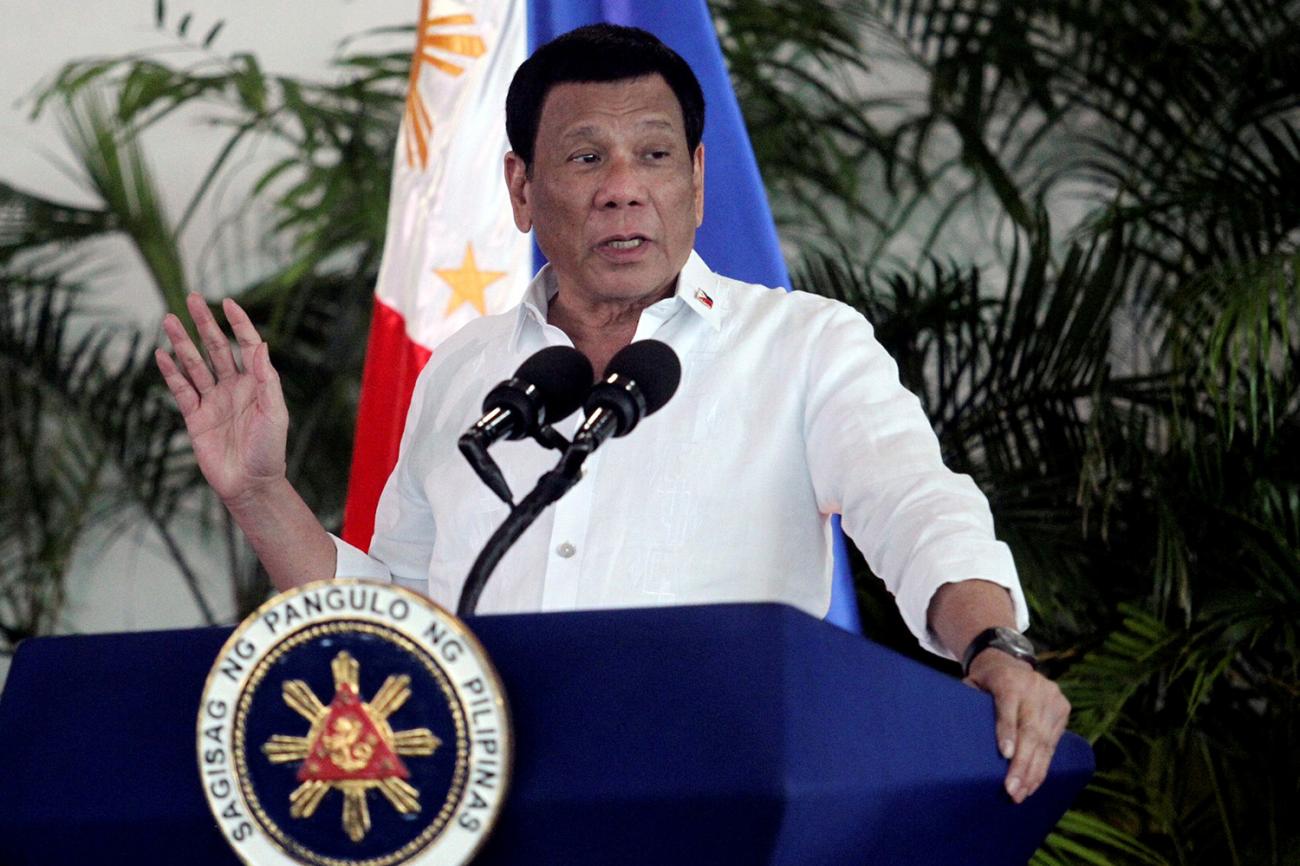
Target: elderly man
point(789, 411)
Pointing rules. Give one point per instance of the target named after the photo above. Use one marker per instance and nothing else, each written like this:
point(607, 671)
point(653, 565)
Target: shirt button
point(566, 550)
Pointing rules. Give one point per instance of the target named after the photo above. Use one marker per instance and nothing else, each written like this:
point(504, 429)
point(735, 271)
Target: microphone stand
point(614, 406)
point(550, 487)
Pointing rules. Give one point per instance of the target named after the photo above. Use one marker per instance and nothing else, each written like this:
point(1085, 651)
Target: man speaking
point(789, 411)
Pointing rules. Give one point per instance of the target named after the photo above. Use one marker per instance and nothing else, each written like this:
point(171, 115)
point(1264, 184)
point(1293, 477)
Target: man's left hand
point(1031, 716)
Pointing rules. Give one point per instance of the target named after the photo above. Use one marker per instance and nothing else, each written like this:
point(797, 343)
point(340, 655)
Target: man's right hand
point(238, 425)
point(237, 419)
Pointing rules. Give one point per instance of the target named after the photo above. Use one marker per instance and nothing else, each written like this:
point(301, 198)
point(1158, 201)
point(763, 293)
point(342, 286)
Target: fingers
point(1040, 734)
point(1006, 729)
point(214, 339)
point(192, 367)
point(200, 377)
point(1012, 742)
point(187, 399)
point(257, 359)
point(1030, 716)
point(1041, 717)
point(1017, 780)
point(242, 327)
point(1035, 771)
point(270, 399)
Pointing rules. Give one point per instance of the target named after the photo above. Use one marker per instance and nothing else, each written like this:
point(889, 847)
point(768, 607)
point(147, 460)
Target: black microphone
point(638, 381)
point(547, 387)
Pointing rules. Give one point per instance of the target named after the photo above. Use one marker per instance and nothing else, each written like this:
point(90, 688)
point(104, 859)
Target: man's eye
point(586, 158)
point(660, 154)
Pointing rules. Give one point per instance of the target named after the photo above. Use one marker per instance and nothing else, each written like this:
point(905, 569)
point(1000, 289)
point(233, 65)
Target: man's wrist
point(259, 500)
point(1001, 639)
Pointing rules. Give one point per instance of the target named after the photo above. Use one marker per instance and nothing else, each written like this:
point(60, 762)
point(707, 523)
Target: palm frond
point(87, 434)
point(30, 222)
point(116, 170)
point(1083, 838)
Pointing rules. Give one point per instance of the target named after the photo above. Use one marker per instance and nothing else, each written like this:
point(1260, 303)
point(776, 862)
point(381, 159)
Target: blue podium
point(727, 734)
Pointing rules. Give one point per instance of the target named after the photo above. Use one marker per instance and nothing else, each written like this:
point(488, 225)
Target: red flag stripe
point(393, 361)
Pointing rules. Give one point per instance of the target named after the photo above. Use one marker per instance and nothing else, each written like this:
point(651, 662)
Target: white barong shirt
point(789, 411)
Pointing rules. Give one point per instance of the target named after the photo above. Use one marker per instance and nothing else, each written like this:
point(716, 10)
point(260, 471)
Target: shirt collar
point(533, 305)
point(697, 287)
point(701, 290)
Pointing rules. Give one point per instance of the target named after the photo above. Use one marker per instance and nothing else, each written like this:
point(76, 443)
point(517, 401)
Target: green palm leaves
point(1076, 228)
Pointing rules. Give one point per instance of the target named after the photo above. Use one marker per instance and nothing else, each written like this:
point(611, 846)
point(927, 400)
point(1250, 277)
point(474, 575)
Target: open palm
point(237, 419)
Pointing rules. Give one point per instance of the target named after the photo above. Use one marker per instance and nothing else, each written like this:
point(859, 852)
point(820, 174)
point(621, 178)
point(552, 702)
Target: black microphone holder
point(475, 449)
point(476, 452)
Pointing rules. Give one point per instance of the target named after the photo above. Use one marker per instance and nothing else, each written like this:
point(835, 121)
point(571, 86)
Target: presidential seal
point(348, 723)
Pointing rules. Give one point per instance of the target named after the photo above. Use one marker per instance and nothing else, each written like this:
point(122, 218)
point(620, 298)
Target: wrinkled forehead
point(576, 108)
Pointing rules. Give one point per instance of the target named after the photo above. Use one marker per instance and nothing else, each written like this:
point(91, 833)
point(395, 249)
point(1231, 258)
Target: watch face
point(1002, 639)
point(1014, 640)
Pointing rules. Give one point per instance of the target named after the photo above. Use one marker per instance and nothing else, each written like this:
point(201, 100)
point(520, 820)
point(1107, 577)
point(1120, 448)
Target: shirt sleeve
point(350, 561)
point(402, 544)
point(875, 459)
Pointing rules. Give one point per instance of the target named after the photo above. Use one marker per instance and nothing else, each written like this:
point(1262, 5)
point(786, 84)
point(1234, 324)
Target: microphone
point(548, 386)
point(638, 381)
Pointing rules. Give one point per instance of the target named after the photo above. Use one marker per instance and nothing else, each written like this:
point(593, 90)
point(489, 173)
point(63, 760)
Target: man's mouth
point(623, 243)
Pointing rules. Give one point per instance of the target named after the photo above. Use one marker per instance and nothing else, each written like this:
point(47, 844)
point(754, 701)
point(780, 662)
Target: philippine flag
point(452, 251)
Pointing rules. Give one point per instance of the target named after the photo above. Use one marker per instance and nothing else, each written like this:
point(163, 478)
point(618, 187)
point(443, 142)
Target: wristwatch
point(1008, 640)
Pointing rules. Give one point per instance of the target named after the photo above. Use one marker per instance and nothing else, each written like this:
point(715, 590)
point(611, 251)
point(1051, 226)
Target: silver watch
point(1008, 640)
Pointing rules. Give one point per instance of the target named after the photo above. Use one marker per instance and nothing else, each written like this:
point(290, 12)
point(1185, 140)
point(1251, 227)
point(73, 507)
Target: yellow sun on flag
point(432, 43)
point(468, 283)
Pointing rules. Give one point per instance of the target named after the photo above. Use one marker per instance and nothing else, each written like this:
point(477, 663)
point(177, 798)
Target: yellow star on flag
point(468, 282)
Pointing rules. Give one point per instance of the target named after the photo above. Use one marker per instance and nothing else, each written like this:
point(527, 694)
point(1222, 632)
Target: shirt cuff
point(351, 561)
point(995, 566)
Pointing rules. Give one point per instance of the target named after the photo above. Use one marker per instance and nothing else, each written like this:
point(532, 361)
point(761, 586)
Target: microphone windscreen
point(562, 375)
point(653, 366)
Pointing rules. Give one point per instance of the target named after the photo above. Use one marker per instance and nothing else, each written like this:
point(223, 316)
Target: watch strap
point(1007, 640)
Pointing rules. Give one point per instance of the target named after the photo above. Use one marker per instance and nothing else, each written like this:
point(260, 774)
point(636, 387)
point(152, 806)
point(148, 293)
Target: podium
point(721, 734)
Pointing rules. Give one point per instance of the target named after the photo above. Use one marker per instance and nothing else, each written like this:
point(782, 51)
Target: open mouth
point(623, 243)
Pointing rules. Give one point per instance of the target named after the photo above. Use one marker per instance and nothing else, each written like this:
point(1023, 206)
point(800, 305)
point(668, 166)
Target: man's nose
point(622, 184)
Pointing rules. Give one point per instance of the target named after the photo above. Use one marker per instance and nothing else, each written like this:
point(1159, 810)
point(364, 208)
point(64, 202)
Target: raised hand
point(237, 419)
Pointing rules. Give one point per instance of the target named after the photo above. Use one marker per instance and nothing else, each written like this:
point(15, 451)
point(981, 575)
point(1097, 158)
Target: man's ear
point(517, 184)
point(697, 181)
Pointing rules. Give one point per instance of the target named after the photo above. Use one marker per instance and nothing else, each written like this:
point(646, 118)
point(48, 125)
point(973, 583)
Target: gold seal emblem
point(350, 747)
point(361, 695)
